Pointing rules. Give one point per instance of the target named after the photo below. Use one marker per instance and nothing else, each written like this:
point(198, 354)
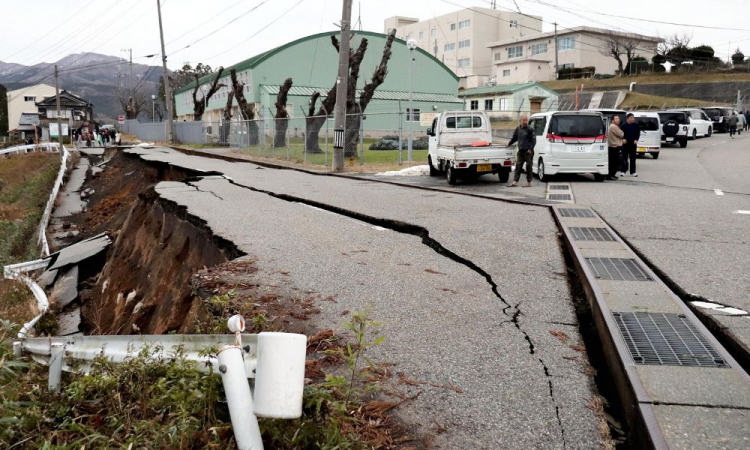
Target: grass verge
point(636, 100)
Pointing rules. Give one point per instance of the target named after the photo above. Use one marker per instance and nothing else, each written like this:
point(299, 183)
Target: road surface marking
point(739, 211)
point(721, 308)
point(718, 192)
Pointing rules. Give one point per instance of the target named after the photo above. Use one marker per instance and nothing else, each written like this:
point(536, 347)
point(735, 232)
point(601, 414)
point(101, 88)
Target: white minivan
point(650, 140)
point(700, 125)
point(569, 142)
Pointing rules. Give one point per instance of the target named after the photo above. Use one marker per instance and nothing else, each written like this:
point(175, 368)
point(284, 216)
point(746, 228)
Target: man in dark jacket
point(632, 133)
point(526, 139)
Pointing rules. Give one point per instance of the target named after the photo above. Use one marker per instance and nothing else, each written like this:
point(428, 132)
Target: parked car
point(674, 127)
point(570, 142)
point(460, 145)
point(608, 114)
point(650, 140)
point(700, 124)
point(719, 116)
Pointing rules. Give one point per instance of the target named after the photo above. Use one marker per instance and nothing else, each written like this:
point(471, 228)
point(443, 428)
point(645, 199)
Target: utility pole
point(167, 90)
point(342, 82)
point(556, 65)
point(59, 122)
point(130, 50)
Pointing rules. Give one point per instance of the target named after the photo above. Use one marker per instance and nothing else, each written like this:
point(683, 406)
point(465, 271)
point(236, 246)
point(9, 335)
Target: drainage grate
point(617, 269)
point(575, 212)
point(559, 196)
point(666, 339)
point(559, 187)
point(591, 234)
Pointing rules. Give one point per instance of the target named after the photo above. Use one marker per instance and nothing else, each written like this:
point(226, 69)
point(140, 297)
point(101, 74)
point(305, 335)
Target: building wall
point(313, 63)
point(587, 52)
point(17, 103)
point(486, 25)
point(524, 71)
point(507, 105)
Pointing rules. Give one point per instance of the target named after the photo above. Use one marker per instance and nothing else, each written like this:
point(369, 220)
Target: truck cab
point(460, 146)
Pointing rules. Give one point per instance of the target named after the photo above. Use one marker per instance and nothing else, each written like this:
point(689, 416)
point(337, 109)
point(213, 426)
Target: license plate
point(670, 139)
point(577, 148)
point(484, 167)
point(642, 149)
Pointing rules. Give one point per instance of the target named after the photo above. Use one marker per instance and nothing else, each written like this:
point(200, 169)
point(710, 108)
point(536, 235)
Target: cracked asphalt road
point(427, 274)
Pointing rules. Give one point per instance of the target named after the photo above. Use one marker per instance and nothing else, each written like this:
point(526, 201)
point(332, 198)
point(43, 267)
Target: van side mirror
point(429, 132)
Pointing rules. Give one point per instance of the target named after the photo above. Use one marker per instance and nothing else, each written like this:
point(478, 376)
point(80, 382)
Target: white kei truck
point(460, 146)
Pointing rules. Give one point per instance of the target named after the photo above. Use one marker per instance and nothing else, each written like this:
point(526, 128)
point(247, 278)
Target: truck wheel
point(433, 171)
point(450, 174)
point(504, 175)
point(543, 177)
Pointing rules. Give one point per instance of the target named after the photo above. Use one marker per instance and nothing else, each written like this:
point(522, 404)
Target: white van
point(569, 142)
point(650, 140)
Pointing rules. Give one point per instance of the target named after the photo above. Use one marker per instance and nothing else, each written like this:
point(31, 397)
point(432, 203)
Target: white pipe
point(57, 350)
point(631, 86)
point(42, 304)
point(280, 375)
point(239, 399)
point(17, 349)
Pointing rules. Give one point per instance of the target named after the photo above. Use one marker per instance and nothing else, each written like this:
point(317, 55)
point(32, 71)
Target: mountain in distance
point(93, 76)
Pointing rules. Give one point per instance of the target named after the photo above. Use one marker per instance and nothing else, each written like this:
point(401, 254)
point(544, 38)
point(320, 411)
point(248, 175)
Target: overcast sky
point(107, 26)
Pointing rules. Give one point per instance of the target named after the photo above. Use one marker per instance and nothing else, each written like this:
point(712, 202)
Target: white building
point(532, 58)
point(460, 39)
point(508, 102)
point(23, 101)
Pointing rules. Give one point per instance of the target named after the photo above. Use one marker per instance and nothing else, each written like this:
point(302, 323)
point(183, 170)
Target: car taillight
point(600, 139)
point(552, 138)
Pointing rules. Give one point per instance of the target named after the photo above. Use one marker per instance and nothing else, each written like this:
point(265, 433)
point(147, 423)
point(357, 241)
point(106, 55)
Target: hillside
point(662, 78)
point(93, 76)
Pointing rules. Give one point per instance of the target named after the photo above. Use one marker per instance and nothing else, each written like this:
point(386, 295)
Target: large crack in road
point(513, 312)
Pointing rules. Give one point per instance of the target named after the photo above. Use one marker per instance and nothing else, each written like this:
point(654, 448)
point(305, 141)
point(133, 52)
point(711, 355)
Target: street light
point(153, 108)
point(411, 44)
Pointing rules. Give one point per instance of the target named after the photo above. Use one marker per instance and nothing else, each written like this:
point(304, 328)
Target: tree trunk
point(351, 135)
point(281, 121)
point(199, 106)
point(313, 125)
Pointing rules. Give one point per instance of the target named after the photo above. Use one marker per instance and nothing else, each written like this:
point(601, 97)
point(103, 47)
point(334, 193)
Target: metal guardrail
point(51, 202)
point(18, 272)
point(275, 360)
point(47, 146)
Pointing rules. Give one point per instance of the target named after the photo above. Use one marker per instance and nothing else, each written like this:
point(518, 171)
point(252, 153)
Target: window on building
point(412, 116)
point(464, 24)
point(566, 66)
point(464, 62)
point(506, 72)
point(488, 105)
point(421, 35)
point(464, 44)
point(514, 24)
point(450, 47)
point(433, 32)
point(498, 56)
point(515, 52)
point(474, 105)
point(538, 48)
point(566, 43)
point(453, 27)
point(504, 104)
point(29, 99)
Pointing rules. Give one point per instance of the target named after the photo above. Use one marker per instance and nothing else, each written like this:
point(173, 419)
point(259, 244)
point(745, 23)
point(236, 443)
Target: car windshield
point(678, 117)
point(464, 122)
point(576, 126)
point(648, 123)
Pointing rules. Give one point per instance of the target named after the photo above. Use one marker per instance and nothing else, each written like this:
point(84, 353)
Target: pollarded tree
point(247, 110)
point(199, 105)
point(738, 57)
point(282, 115)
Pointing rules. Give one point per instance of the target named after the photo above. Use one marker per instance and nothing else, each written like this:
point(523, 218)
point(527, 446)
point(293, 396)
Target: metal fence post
point(400, 131)
point(286, 139)
point(57, 351)
point(361, 139)
point(326, 152)
point(239, 400)
point(304, 137)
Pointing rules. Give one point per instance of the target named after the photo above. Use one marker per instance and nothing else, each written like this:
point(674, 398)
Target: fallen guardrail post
point(275, 360)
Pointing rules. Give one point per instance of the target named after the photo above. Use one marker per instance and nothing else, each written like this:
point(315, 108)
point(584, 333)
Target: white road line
point(718, 192)
point(739, 211)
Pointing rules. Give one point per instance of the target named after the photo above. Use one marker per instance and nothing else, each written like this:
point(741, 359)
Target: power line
point(203, 23)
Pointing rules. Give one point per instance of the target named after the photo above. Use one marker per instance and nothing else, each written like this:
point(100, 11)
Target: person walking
point(733, 124)
point(615, 137)
point(118, 137)
point(526, 139)
point(747, 120)
point(632, 132)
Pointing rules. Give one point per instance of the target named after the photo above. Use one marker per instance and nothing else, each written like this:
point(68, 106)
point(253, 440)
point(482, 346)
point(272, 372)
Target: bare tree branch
point(378, 77)
point(199, 106)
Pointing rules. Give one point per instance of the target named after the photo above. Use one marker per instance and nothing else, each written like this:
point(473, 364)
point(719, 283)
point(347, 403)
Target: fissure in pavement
point(512, 312)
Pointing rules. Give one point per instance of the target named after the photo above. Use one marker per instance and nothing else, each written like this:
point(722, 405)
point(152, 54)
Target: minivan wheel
point(540, 171)
point(695, 135)
point(433, 171)
point(655, 155)
point(710, 131)
point(450, 174)
point(598, 177)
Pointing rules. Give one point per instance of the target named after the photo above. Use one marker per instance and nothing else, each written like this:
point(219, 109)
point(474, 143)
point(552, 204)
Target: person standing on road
point(632, 132)
point(747, 120)
point(615, 137)
point(526, 139)
point(118, 137)
point(733, 124)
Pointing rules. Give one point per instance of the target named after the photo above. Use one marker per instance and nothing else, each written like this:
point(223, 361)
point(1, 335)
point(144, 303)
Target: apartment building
point(460, 39)
point(532, 58)
point(23, 101)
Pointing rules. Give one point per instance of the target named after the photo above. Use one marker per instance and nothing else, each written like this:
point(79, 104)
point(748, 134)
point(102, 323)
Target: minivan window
point(647, 123)
point(576, 126)
point(678, 117)
point(538, 125)
point(713, 112)
point(464, 122)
